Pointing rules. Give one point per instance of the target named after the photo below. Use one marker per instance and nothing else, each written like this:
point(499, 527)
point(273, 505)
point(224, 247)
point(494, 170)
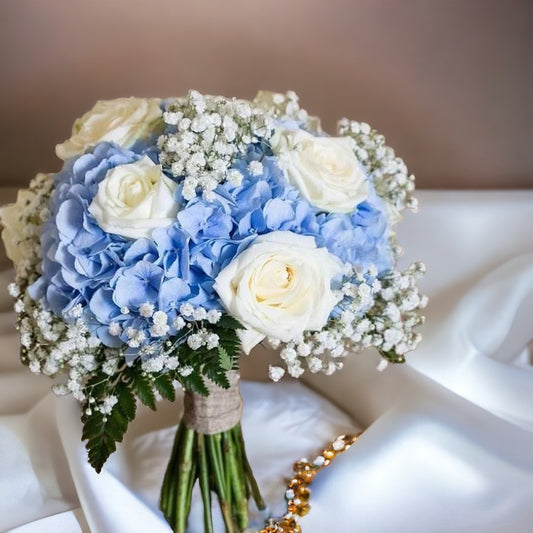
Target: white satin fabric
point(448, 438)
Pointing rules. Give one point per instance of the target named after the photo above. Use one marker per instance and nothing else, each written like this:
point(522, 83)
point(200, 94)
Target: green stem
point(256, 493)
point(234, 433)
point(204, 484)
point(237, 481)
point(190, 486)
point(220, 464)
point(215, 459)
point(185, 473)
point(223, 451)
point(168, 490)
point(218, 471)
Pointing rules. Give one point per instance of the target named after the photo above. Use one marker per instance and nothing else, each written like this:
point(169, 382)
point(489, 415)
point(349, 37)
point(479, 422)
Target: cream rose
point(133, 200)
point(324, 169)
point(13, 232)
point(279, 287)
point(122, 121)
point(17, 234)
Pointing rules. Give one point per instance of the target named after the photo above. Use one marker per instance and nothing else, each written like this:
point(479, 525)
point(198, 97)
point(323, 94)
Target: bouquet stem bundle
point(217, 461)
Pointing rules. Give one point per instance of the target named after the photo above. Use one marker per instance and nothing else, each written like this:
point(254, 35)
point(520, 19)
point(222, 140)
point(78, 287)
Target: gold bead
point(303, 494)
point(300, 465)
point(304, 509)
point(307, 477)
point(293, 508)
point(329, 454)
point(295, 482)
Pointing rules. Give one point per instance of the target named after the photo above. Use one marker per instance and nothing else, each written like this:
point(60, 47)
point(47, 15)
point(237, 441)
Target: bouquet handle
point(209, 448)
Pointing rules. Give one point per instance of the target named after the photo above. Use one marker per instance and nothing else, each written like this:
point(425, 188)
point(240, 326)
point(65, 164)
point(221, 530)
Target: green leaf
point(224, 359)
point(99, 385)
point(194, 382)
point(116, 424)
point(228, 322)
point(229, 341)
point(217, 375)
point(392, 356)
point(92, 425)
point(102, 432)
point(164, 386)
point(126, 401)
point(99, 452)
point(143, 390)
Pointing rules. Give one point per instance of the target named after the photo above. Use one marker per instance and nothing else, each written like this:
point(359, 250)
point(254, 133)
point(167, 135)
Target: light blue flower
point(104, 309)
point(172, 246)
point(205, 221)
point(76, 246)
point(361, 238)
point(137, 284)
point(172, 294)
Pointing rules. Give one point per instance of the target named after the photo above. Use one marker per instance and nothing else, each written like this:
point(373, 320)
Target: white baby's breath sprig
point(381, 313)
point(286, 107)
point(388, 171)
point(209, 133)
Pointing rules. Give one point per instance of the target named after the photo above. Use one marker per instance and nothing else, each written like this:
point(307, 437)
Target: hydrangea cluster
point(210, 244)
point(48, 345)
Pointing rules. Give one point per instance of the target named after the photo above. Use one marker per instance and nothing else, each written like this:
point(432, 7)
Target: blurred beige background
point(449, 82)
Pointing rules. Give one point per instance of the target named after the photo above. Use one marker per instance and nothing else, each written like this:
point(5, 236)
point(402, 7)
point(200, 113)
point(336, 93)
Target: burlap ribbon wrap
point(218, 412)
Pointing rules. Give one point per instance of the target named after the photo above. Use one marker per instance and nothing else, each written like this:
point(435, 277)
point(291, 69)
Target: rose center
point(274, 279)
point(332, 164)
point(134, 190)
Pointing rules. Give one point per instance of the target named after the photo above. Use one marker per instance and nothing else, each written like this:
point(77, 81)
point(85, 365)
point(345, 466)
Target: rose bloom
point(15, 232)
point(279, 287)
point(134, 199)
point(324, 169)
point(122, 121)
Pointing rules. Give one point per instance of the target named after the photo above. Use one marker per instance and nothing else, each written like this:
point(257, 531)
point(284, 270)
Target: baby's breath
point(380, 313)
point(388, 172)
point(209, 133)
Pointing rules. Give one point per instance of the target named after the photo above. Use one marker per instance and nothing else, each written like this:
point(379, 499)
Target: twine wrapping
point(218, 412)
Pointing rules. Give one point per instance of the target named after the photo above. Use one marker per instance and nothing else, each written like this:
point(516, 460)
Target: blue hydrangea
point(79, 256)
point(267, 202)
point(103, 272)
point(112, 277)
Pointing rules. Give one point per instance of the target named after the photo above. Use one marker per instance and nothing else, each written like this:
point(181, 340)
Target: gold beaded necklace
point(298, 492)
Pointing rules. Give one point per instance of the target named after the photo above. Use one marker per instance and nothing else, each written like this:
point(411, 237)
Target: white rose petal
point(249, 339)
point(15, 233)
point(122, 121)
point(324, 169)
point(279, 287)
point(134, 199)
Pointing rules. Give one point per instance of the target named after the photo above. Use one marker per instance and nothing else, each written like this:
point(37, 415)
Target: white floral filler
point(183, 232)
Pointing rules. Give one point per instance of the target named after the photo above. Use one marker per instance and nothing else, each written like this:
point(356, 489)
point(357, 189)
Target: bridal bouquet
point(179, 234)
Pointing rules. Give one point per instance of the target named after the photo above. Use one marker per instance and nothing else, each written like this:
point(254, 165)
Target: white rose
point(16, 232)
point(13, 233)
point(324, 169)
point(133, 200)
point(122, 121)
point(279, 287)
